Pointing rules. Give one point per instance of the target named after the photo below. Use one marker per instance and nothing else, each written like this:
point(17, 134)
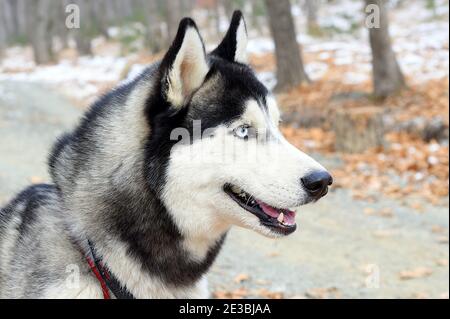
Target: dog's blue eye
point(242, 131)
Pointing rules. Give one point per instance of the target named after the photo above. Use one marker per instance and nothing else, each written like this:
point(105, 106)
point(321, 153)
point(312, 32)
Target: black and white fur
point(154, 209)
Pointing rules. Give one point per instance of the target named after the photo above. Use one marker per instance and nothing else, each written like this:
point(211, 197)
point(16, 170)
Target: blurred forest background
point(370, 102)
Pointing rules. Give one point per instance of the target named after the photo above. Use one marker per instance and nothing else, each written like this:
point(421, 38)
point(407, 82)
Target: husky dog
point(135, 200)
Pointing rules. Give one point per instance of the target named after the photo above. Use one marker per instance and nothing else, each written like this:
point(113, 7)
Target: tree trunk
point(21, 17)
point(14, 17)
point(83, 44)
point(387, 76)
point(187, 6)
point(3, 37)
point(154, 37)
point(258, 14)
point(173, 18)
point(7, 15)
point(229, 7)
point(109, 11)
point(290, 69)
point(98, 14)
point(83, 35)
point(59, 30)
point(312, 6)
point(358, 129)
point(39, 30)
point(216, 9)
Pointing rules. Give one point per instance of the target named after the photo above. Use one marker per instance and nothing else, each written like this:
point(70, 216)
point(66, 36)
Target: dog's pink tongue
point(289, 216)
point(269, 210)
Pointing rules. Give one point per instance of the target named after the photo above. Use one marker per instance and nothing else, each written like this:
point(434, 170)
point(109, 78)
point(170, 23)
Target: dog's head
point(227, 162)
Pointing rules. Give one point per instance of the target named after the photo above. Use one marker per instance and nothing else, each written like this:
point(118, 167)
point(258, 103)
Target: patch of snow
point(324, 55)
point(79, 79)
point(134, 72)
point(354, 78)
point(419, 176)
point(434, 147)
point(316, 70)
point(433, 160)
point(296, 10)
point(344, 60)
point(268, 79)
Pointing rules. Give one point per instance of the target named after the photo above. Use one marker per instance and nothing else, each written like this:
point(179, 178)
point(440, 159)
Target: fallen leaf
point(386, 212)
point(239, 293)
point(442, 262)
point(420, 295)
point(240, 278)
point(262, 282)
point(265, 293)
point(220, 294)
point(36, 180)
point(323, 293)
point(384, 233)
point(437, 229)
point(419, 272)
point(234, 294)
point(417, 206)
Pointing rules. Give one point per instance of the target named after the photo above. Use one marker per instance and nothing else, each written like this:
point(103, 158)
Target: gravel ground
point(338, 251)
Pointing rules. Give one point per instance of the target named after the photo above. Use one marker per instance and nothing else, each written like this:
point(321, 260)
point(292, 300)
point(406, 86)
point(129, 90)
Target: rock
point(305, 118)
point(426, 129)
point(358, 129)
point(435, 129)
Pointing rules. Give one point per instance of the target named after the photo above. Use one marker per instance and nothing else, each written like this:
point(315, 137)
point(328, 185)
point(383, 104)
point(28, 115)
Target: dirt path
point(31, 118)
point(338, 250)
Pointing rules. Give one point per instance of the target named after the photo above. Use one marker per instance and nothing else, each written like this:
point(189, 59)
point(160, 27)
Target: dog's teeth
point(280, 217)
point(236, 189)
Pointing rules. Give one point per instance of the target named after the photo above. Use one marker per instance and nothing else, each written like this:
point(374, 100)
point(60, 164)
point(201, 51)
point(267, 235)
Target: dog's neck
point(150, 255)
point(152, 277)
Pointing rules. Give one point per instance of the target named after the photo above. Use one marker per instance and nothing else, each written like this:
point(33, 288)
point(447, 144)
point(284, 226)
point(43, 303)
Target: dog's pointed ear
point(234, 45)
point(184, 66)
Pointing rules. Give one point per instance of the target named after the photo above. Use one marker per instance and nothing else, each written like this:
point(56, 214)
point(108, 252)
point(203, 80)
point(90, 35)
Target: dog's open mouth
point(278, 219)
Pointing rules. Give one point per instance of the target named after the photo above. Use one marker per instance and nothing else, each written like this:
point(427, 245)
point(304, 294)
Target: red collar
point(108, 282)
point(100, 279)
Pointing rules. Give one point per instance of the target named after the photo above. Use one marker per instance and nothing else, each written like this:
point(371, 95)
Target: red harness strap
point(109, 283)
point(99, 278)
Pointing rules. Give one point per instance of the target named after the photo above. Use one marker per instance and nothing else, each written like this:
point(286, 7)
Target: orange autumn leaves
point(407, 165)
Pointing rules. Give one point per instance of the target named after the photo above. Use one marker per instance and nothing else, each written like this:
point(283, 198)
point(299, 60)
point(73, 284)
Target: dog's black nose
point(316, 183)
